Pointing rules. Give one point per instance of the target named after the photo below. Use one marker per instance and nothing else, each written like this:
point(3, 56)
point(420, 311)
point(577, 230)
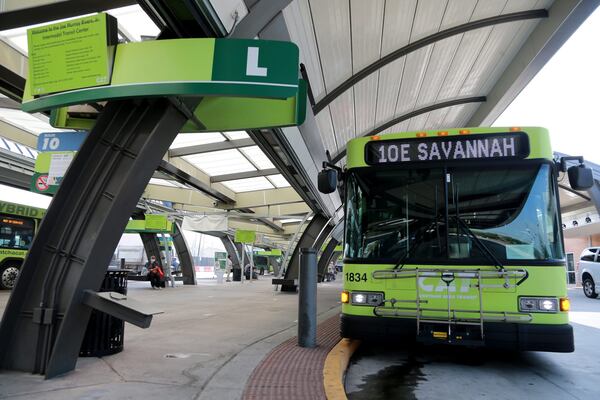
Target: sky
point(563, 96)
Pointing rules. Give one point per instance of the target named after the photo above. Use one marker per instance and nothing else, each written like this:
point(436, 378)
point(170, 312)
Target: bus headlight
point(366, 298)
point(538, 304)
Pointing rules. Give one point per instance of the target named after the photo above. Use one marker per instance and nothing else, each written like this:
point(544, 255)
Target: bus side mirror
point(580, 177)
point(327, 181)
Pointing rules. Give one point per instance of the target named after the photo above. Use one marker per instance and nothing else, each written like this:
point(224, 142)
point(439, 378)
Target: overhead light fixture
point(575, 223)
point(588, 220)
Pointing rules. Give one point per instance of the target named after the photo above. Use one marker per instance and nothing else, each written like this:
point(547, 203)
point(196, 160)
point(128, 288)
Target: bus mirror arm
point(563, 162)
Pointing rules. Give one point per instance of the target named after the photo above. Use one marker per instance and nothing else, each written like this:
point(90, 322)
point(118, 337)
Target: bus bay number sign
point(448, 148)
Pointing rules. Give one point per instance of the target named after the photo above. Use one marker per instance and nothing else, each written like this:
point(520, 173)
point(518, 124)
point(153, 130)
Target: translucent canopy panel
point(133, 22)
point(278, 180)
point(249, 184)
point(162, 182)
point(34, 123)
point(17, 148)
point(194, 139)
point(220, 162)
point(235, 135)
point(257, 157)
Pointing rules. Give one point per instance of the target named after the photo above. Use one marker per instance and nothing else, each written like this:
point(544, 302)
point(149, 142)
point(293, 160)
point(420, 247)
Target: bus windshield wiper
point(460, 223)
point(400, 264)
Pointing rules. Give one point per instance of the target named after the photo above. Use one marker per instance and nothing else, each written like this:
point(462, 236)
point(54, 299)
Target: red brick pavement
point(291, 372)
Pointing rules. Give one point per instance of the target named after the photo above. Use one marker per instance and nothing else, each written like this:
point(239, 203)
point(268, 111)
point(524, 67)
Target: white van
point(589, 266)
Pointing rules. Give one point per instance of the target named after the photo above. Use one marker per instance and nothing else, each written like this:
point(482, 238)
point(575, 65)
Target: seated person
point(155, 274)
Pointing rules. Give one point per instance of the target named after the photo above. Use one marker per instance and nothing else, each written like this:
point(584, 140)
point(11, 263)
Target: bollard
point(307, 298)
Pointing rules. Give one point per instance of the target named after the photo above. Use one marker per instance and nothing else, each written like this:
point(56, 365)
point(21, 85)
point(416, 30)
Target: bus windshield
point(431, 215)
point(16, 232)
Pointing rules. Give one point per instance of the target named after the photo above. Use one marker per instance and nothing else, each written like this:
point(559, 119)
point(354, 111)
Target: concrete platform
point(205, 345)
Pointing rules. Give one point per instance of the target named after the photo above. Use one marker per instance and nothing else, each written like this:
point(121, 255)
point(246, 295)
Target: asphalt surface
point(443, 372)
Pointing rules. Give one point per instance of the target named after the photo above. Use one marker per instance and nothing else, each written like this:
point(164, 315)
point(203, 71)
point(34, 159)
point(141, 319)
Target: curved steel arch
point(414, 113)
point(426, 41)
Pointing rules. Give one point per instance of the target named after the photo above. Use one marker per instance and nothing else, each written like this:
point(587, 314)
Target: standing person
point(155, 273)
point(228, 267)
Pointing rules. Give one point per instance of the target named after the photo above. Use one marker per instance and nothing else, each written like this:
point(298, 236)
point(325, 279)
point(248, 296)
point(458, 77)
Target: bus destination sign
point(448, 148)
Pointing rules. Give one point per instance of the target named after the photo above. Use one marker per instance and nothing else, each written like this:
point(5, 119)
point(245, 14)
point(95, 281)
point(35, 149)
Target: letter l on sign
point(252, 68)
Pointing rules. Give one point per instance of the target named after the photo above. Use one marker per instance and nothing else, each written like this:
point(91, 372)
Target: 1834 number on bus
point(356, 277)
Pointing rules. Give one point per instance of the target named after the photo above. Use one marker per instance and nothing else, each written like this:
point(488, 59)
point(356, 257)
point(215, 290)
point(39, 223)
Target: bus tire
point(8, 275)
point(589, 288)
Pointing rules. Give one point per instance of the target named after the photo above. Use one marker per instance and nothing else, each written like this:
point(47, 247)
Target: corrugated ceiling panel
point(427, 18)
point(367, 23)
point(414, 72)
point(457, 13)
point(390, 77)
point(365, 99)
point(464, 60)
point(397, 25)
point(435, 119)
point(441, 58)
point(417, 123)
point(326, 130)
point(491, 54)
point(332, 26)
point(458, 116)
point(342, 114)
point(299, 23)
point(496, 70)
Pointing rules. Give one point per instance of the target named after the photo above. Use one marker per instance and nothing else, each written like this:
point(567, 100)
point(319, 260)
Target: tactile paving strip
point(291, 372)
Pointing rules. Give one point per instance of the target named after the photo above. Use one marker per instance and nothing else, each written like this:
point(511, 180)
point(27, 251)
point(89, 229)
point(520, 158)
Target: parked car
point(589, 265)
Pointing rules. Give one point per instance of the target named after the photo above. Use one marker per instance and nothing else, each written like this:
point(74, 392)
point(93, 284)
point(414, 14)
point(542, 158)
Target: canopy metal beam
point(210, 147)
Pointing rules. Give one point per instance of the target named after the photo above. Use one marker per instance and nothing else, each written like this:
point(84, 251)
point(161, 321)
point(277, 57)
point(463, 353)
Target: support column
point(185, 257)
point(231, 250)
point(313, 236)
point(325, 258)
point(45, 319)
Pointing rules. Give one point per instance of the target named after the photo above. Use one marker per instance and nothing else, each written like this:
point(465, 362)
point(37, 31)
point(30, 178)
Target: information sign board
point(243, 236)
point(71, 54)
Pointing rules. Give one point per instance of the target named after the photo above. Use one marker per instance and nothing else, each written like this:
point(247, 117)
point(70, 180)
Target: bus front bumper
point(510, 336)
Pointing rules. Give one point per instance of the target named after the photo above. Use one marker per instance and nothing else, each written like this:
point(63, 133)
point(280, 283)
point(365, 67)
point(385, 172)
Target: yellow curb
point(335, 368)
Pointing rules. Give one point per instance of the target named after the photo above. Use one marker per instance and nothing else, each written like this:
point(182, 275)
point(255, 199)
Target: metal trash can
point(104, 334)
point(237, 274)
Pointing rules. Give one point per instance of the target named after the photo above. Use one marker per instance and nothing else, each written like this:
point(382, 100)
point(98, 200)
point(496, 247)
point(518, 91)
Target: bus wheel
point(589, 289)
point(8, 275)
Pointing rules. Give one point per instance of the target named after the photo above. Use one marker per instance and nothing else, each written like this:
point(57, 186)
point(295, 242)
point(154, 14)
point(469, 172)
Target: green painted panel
point(156, 221)
point(154, 61)
point(234, 113)
point(69, 54)
point(243, 236)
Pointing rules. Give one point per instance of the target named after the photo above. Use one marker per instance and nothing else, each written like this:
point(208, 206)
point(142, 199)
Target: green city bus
point(18, 225)
point(455, 237)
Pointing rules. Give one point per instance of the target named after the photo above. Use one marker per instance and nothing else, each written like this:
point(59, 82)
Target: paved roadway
point(453, 373)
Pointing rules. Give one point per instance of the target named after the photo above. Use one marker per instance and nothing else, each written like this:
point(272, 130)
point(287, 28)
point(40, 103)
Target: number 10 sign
point(60, 141)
